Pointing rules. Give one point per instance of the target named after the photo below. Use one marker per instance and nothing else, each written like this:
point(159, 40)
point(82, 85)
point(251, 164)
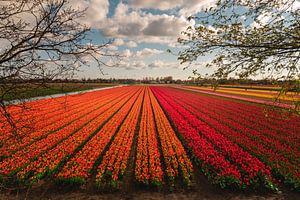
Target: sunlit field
point(157, 137)
point(263, 92)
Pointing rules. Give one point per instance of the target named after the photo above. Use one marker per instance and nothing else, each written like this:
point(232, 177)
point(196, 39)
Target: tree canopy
point(247, 38)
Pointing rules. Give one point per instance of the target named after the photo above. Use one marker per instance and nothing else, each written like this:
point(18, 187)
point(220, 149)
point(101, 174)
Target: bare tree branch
point(43, 40)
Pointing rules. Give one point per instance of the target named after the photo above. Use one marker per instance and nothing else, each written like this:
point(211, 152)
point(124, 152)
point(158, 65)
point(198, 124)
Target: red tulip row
point(148, 168)
point(281, 158)
point(254, 142)
point(253, 170)
point(49, 161)
point(257, 122)
point(63, 120)
point(287, 146)
point(276, 120)
point(210, 113)
point(115, 159)
point(79, 167)
point(213, 164)
point(174, 154)
point(280, 118)
point(23, 156)
point(287, 126)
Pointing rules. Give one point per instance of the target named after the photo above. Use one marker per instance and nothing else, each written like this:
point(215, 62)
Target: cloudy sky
point(141, 31)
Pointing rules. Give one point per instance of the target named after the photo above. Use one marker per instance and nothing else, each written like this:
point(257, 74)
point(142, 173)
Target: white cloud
point(146, 52)
point(165, 26)
point(296, 5)
point(157, 4)
point(131, 44)
point(137, 64)
point(163, 64)
point(96, 12)
point(140, 64)
point(186, 7)
point(191, 7)
point(136, 60)
point(112, 47)
point(286, 6)
point(127, 53)
point(156, 64)
point(118, 42)
point(264, 18)
point(121, 42)
point(140, 26)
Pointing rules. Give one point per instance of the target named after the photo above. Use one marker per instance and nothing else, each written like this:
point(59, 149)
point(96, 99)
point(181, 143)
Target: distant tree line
point(162, 80)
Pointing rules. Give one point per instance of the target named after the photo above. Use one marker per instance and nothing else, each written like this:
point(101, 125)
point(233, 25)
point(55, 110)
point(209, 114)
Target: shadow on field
point(201, 189)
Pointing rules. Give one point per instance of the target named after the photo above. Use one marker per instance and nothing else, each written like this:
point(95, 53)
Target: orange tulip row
point(25, 155)
point(49, 161)
point(148, 167)
point(115, 159)
point(22, 119)
point(79, 167)
point(44, 127)
point(174, 154)
point(34, 113)
point(37, 111)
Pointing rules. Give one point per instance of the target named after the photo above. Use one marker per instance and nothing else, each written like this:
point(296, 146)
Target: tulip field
point(153, 136)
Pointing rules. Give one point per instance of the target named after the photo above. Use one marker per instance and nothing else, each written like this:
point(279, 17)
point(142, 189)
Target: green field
point(35, 90)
